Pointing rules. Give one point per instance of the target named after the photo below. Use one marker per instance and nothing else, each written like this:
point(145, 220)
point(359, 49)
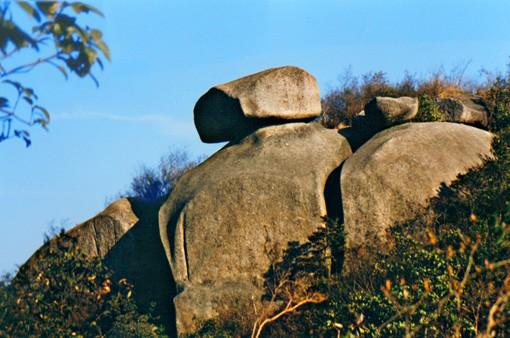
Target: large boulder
point(388, 111)
point(229, 218)
point(379, 113)
point(98, 235)
point(391, 178)
point(467, 109)
point(235, 109)
point(126, 236)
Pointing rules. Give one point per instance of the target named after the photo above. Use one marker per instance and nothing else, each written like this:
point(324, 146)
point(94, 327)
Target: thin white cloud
point(167, 124)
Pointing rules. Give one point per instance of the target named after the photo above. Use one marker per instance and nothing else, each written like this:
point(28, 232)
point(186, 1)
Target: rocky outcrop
point(379, 113)
point(98, 235)
point(229, 218)
point(126, 236)
point(465, 109)
point(208, 246)
point(235, 109)
point(392, 177)
point(388, 111)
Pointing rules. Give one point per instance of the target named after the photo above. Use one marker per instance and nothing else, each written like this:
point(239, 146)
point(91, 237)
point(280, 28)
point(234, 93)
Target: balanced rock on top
point(388, 111)
point(233, 110)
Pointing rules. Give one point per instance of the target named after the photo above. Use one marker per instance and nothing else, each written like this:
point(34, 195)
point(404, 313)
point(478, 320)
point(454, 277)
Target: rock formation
point(392, 177)
point(465, 109)
point(380, 113)
point(98, 235)
point(225, 217)
point(208, 246)
point(388, 111)
point(126, 235)
point(235, 109)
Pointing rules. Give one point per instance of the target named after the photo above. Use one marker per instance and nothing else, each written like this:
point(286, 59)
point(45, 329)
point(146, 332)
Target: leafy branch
point(69, 46)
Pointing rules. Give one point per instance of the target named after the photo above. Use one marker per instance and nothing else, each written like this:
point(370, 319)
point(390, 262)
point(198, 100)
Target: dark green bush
point(64, 294)
point(428, 110)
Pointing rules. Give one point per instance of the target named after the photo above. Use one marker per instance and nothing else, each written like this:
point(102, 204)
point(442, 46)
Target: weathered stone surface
point(388, 111)
point(391, 178)
point(235, 109)
point(139, 257)
point(100, 233)
point(126, 235)
point(466, 109)
point(225, 216)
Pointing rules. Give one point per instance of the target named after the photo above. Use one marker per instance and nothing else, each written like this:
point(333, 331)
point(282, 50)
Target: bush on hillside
point(341, 104)
point(152, 184)
point(65, 294)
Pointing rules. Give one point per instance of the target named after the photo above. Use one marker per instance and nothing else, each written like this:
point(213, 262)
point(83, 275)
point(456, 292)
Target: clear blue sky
point(167, 53)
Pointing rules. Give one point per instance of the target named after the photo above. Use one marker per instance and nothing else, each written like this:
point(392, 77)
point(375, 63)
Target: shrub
point(152, 184)
point(429, 110)
point(341, 104)
point(65, 294)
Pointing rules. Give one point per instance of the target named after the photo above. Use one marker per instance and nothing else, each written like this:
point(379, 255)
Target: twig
point(289, 308)
point(499, 304)
point(29, 66)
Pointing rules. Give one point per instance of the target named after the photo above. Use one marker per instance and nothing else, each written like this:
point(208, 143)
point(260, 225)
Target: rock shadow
point(220, 118)
point(140, 258)
point(333, 195)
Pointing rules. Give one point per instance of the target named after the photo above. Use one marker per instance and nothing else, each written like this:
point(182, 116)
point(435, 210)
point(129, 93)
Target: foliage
point(497, 98)
point(63, 43)
point(344, 102)
point(152, 184)
point(65, 294)
point(213, 329)
point(429, 110)
point(341, 104)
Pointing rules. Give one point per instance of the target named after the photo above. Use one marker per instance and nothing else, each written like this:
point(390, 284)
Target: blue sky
point(165, 54)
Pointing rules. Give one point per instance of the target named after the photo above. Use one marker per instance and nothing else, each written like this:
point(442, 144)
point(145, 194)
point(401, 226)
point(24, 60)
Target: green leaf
point(57, 29)
point(104, 49)
point(91, 55)
point(72, 28)
point(59, 67)
point(49, 8)
point(30, 10)
point(28, 91)
point(42, 122)
point(62, 70)
point(15, 84)
point(28, 100)
point(4, 102)
point(43, 110)
point(96, 35)
point(100, 63)
point(79, 7)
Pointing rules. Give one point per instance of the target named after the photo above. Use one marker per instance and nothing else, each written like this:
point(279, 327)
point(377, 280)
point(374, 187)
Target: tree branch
point(29, 66)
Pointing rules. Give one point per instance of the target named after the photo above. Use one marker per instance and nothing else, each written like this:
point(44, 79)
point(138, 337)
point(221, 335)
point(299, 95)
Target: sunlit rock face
point(233, 110)
point(391, 178)
point(229, 218)
point(126, 236)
